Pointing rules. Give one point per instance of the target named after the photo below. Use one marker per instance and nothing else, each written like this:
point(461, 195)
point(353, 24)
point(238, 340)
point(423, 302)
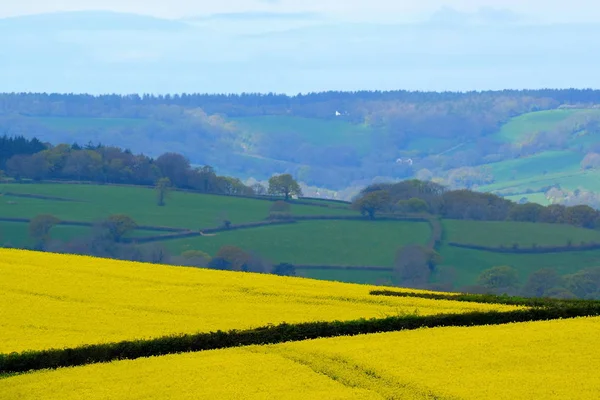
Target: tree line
point(415, 196)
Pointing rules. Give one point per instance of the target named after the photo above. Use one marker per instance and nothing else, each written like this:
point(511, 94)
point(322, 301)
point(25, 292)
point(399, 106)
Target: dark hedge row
point(529, 250)
point(36, 360)
point(591, 306)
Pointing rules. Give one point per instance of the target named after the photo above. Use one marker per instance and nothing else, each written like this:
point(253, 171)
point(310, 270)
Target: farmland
point(183, 210)
point(319, 132)
point(539, 359)
point(314, 243)
point(125, 301)
point(524, 234)
point(318, 242)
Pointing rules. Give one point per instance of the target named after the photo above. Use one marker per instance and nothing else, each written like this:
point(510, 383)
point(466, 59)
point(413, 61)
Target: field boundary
point(91, 224)
point(299, 201)
point(540, 310)
point(39, 197)
point(528, 250)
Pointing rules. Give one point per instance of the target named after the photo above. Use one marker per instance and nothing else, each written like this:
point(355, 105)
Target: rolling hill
point(326, 240)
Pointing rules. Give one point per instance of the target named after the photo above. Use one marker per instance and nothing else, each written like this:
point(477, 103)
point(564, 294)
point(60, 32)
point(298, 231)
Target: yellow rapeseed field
point(536, 360)
point(56, 301)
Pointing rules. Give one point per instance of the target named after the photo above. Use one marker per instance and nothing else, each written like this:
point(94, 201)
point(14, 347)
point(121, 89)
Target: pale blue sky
point(401, 10)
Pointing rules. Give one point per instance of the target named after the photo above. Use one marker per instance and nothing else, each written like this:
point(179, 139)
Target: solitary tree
point(163, 187)
point(119, 225)
point(372, 203)
point(40, 226)
point(284, 185)
point(414, 265)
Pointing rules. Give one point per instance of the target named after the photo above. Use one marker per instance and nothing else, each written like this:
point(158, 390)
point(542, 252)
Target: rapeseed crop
point(223, 374)
point(556, 359)
point(57, 301)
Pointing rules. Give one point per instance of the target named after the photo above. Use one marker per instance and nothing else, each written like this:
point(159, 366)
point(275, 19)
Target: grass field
point(468, 264)
point(16, 234)
point(318, 132)
point(539, 198)
point(520, 128)
point(317, 242)
point(73, 124)
point(184, 210)
point(498, 233)
point(536, 166)
point(83, 300)
point(551, 360)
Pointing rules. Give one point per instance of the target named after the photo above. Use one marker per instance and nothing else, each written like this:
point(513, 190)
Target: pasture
point(524, 234)
point(466, 265)
point(318, 132)
point(183, 210)
point(351, 243)
point(519, 129)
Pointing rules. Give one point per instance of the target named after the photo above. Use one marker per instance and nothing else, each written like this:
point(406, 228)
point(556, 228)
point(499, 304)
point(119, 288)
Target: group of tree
point(106, 164)
point(545, 282)
point(419, 197)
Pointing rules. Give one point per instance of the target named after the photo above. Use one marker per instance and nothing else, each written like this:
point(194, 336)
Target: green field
point(495, 234)
point(183, 210)
point(468, 264)
point(315, 242)
point(538, 197)
point(536, 166)
point(73, 123)
point(520, 129)
point(318, 132)
point(356, 243)
point(17, 233)
point(547, 168)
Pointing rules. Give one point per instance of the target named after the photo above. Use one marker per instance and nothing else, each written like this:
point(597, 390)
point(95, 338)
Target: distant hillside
point(515, 143)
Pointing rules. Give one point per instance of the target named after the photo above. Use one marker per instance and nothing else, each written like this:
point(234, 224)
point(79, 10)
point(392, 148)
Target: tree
point(175, 167)
point(163, 187)
point(528, 212)
point(40, 226)
point(541, 282)
point(234, 255)
point(119, 225)
point(284, 185)
point(258, 189)
point(372, 203)
point(412, 205)
point(415, 264)
point(219, 264)
point(590, 161)
point(499, 279)
point(284, 269)
point(585, 283)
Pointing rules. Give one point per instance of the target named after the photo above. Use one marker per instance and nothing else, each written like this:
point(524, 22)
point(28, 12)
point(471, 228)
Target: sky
point(549, 11)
